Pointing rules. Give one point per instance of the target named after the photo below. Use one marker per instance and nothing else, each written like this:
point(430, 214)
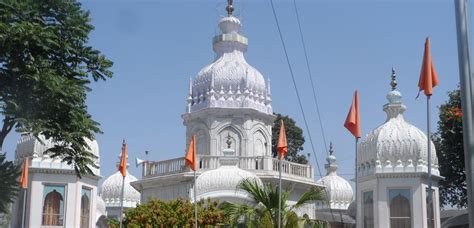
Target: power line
point(310, 75)
point(312, 85)
point(299, 99)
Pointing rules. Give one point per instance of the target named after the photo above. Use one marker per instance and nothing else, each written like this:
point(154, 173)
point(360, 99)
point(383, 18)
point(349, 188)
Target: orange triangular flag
point(428, 77)
point(190, 158)
point(353, 118)
point(24, 174)
point(123, 161)
point(282, 146)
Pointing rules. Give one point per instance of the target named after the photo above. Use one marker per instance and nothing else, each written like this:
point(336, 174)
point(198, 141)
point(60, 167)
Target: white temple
point(56, 197)
point(229, 111)
point(392, 173)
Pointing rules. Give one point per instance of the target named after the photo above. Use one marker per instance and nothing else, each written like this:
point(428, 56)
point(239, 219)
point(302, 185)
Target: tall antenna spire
point(229, 8)
point(393, 83)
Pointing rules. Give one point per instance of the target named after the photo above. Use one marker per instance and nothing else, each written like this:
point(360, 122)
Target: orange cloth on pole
point(282, 146)
point(353, 118)
point(428, 77)
point(123, 160)
point(190, 158)
point(24, 174)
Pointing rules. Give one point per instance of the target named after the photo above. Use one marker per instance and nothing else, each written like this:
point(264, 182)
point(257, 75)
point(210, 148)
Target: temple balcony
point(261, 165)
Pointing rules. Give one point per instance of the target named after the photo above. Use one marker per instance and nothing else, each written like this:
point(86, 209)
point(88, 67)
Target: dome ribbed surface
point(112, 187)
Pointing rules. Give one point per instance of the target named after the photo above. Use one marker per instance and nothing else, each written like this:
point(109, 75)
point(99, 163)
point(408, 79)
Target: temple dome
point(30, 146)
point(229, 82)
point(222, 182)
point(112, 187)
point(396, 145)
point(339, 191)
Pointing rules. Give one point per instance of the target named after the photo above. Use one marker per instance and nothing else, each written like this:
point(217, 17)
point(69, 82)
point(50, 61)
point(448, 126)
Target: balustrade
point(207, 162)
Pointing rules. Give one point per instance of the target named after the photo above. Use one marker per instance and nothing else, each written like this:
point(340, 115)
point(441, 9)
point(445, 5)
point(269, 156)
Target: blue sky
point(157, 46)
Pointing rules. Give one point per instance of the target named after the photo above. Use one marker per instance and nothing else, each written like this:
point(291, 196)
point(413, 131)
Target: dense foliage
point(295, 139)
point(46, 66)
point(8, 185)
point(174, 213)
point(449, 148)
point(265, 210)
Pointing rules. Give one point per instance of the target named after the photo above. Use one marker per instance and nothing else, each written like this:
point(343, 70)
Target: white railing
point(207, 162)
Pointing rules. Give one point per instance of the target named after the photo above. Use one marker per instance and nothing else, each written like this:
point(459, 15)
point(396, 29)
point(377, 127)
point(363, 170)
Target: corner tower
point(229, 99)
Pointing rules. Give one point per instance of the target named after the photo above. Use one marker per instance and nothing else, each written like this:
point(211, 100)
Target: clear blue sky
point(157, 45)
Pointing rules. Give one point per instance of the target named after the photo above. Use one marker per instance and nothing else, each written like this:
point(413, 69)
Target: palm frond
point(312, 194)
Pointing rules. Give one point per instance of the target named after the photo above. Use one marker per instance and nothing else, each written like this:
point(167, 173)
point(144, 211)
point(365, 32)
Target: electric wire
point(310, 75)
point(298, 97)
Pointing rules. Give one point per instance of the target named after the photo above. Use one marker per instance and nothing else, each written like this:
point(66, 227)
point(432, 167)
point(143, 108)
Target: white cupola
point(339, 191)
point(35, 147)
point(223, 182)
point(396, 145)
point(111, 192)
point(229, 82)
point(393, 187)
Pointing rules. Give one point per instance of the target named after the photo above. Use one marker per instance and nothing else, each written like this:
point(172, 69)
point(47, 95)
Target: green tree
point(295, 139)
point(173, 213)
point(448, 141)
point(266, 203)
point(46, 67)
point(9, 186)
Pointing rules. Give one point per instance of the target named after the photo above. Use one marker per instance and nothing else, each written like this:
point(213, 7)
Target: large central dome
point(229, 82)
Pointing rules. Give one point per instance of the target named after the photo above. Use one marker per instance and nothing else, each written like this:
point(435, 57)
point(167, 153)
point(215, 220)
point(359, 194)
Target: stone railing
point(207, 162)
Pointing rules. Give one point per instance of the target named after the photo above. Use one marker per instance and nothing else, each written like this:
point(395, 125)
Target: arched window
point(400, 208)
point(53, 205)
point(368, 210)
point(85, 207)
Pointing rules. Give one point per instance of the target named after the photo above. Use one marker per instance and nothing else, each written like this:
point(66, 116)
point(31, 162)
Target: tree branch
point(8, 124)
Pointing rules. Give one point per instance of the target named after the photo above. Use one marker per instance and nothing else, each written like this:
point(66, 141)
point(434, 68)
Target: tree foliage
point(46, 66)
point(8, 184)
point(449, 148)
point(173, 213)
point(295, 139)
point(266, 205)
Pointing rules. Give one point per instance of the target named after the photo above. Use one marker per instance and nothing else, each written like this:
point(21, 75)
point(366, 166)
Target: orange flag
point(353, 118)
point(191, 155)
point(123, 160)
point(282, 146)
point(24, 174)
point(428, 77)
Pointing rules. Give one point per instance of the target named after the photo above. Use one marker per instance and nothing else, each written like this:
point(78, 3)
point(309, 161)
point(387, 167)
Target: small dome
point(112, 187)
point(222, 183)
point(229, 82)
point(338, 189)
point(28, 145)
point(396, 145)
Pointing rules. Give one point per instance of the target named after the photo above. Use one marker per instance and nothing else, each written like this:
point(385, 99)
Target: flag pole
point(279, 194)
point(195, 203)
point(355, 173)
point(428, 136)
point(24, 208)
point(467, 96)
point(121, 202)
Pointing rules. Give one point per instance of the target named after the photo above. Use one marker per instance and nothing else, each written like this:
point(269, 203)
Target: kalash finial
point(393, 83)
point(331, 151)
point(229, 8)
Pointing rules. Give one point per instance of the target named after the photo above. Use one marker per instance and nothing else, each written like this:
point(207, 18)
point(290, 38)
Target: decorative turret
point(229, 82)
point(339, 191)
point(395, 146)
